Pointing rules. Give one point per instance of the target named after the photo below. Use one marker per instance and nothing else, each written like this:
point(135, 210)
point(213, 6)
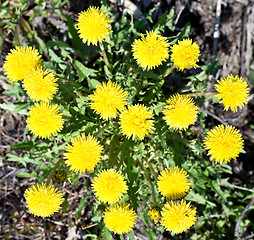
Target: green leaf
point(76, 41)
point(20, 108)
point(196, 198)
point(170, 17)
point(106, 234)
point(215, 186)
point(22, 160)
point(83, 71)
point(22, 145)
point(27, 175)
point(82, 203)
point(59, 44)
point(150, 74)
point(54, 57)
point(65, 205)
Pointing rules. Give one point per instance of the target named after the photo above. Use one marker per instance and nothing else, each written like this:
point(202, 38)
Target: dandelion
point(107, 99)
point(83, 154)
point(134, 121)
point(154, 214)
point(40, 84)
point(119, 218)
point(180, 112)
point(185, 54)
point(20, 61)
point(151, 50)
point(233, 92)
point(174, 183)
point(43, 200)
point(93, 25)
point(45, 120)
point(178, 217)
point(109, 186)
point(223, 143)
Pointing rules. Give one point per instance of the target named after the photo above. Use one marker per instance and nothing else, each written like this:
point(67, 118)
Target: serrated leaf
point(20, 108)
point(22, 160)
point(83, 71)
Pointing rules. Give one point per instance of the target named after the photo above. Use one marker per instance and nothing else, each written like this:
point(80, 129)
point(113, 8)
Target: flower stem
point(148, 180)
point(169, 70)
point(200, 94)
point(135, 74)
point(54, 169)
point(105, 56)
point(152, 170)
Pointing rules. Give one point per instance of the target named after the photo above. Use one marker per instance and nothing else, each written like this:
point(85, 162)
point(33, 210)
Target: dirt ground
point(222, 29)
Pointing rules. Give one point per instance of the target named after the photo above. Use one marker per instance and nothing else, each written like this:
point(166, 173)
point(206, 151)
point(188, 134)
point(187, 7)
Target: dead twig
point(237, 226)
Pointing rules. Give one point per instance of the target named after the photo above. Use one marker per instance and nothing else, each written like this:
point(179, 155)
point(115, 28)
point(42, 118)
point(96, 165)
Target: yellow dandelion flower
point(40, 84)
point(43, 200)
point(20, 61)
point(83, 154)
point(174, 183)
point(45, 120)
point(180, 112)
point(109, 186)
point(93, 25)
point(233, 92)
point(154, 214)
point(134, 121)
point(223, 143)
point(150, 51)
point(119, 218)
point(178, 217)
point(185, 54)
point(107, 99)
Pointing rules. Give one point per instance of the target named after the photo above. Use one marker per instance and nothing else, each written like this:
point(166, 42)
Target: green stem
point(102, 129)
point(169, 70)
point(105, 56)
point(152, 170)
point(54, 169)
point(200, 94)
point(135, 74)
point(148, 180)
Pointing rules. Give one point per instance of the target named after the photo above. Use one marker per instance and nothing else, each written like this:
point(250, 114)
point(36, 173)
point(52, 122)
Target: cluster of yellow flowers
point(25, 64)
point(176, 216)
point(109, 99)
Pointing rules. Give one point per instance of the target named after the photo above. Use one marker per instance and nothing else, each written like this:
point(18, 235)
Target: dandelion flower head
point(43, 200)
point(20, 61)
point(174, 183)
point(185, 54)
point(150, 51)
point(107, 99)
point(120, 218)
point(233, 92)
point(83, 154)
point(134, 121)
point(109, 186)
point(93, 25)
point(180, 112)
point(154, 214)
point(223, 143)
point(45, 120)
point(178, 217)
point(40, 84)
